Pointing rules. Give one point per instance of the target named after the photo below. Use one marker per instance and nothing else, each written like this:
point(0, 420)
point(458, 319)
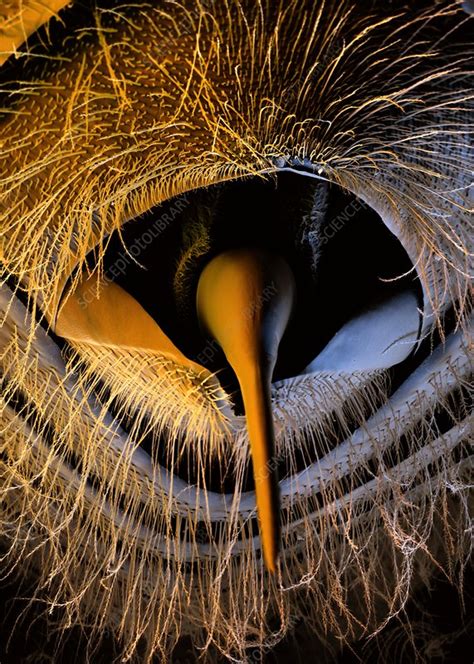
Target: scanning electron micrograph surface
point(236, 331)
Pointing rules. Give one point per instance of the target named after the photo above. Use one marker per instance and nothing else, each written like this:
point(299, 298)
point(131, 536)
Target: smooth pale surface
point(244, 300)
point(379, 337)
point(23, 18)
point(100, 312)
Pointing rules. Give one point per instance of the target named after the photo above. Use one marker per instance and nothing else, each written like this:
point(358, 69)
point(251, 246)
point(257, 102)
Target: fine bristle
point(145, 104)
